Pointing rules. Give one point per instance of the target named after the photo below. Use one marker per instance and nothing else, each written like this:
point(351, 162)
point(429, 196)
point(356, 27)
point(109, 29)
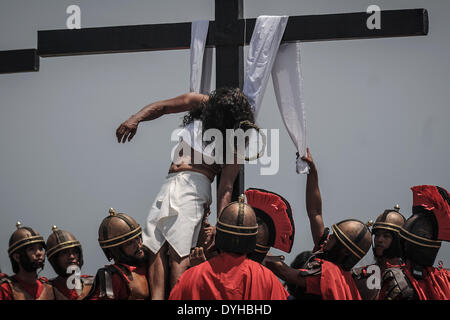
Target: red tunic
point(61, 285)
point(34, 290)
point(228, 276)
point(333, 283)
point(435, 284)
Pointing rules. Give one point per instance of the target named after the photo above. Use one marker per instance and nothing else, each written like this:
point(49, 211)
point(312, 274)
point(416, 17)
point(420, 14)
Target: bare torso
point(185, 162)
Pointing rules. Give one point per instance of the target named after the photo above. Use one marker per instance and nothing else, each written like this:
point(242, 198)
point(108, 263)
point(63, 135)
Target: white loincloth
point(177, 212)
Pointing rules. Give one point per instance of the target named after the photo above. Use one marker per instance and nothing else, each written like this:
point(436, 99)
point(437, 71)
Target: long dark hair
point(225, 109)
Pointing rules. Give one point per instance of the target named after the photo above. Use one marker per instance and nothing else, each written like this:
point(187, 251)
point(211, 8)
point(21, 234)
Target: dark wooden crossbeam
point(12, 61)
point(343, 26)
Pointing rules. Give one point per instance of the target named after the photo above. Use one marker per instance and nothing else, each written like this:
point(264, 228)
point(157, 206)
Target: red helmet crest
point(435, 200)
point(276, 210)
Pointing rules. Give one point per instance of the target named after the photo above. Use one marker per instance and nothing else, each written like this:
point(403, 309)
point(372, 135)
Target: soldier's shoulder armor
point(6, 279)
point(360, 272)
point(103, 280)
point(312, 267)
point(44, 280)
point(87, 279)
point(397, 285)
point(361, 278)
point(20, 294)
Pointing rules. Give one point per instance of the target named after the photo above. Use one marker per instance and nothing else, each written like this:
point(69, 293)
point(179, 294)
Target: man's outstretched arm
point(225, 189)
point(284, 272)
point(313, 200)
point(183, 103)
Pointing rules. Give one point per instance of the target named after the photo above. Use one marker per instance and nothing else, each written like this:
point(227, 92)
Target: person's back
point(229, 276)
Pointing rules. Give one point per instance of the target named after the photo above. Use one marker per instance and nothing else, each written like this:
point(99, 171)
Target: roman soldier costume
point(327, 272)
point(12, 287)
point(122, 280)
point(57, 242)
point(391, 221)
point(422, 234)
point(231, 275)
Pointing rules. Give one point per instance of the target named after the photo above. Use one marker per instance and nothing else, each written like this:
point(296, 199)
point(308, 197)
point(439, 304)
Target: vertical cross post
point(230, 59)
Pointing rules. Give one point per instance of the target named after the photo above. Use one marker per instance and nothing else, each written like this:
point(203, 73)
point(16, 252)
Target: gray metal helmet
point(420, 243)
point(392, 221)
point(353, 236)
point(236, 228)
point(58, 241)
point(19, 241)
point(428, 226)
point(115, 230)
point(22, 237)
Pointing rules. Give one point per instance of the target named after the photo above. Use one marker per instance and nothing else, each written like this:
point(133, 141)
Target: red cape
point(228, 277)
point(337, 284)
point(435, 284)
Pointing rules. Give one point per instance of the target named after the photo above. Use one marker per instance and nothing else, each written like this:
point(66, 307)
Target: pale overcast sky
point(377, 120)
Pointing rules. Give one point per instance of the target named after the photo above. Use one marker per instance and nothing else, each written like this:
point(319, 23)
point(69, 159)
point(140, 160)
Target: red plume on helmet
point(277, 210)
point(435, 200)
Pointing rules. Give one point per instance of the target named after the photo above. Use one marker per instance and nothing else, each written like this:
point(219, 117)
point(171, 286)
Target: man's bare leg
point(177, 266)
point(158, 273)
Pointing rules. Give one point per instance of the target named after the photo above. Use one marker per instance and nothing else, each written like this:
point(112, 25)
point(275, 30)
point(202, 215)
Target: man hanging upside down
point(174, 220)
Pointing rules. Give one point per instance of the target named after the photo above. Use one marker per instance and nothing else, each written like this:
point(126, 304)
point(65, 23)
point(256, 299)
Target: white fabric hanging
point(261, 55)
point(288, 86)
point(200, 82)
point(265, 57)
point(201, 58)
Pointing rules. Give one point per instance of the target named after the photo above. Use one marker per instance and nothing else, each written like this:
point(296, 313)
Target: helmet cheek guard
point(277, 213)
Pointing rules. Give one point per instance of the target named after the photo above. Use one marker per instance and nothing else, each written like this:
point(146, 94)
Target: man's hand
point(273, 262)
point(206, 237)
point(308, 159)
point(127, 130)
point(197, 256)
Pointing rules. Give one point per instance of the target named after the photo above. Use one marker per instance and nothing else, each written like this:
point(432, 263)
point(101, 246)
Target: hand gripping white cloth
point(265, 56)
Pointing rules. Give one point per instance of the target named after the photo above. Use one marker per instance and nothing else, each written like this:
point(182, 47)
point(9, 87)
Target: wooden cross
point(229, 33)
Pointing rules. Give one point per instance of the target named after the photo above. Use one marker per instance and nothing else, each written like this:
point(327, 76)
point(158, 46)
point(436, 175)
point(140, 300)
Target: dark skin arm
point(183, 103)
point(225, 189)
point(283, 271)
point(313, 200)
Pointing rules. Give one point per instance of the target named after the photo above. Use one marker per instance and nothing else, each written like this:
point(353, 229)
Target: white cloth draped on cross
point(265, 57)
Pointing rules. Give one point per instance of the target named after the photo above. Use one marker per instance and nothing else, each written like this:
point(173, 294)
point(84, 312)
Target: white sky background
point(377, 114)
